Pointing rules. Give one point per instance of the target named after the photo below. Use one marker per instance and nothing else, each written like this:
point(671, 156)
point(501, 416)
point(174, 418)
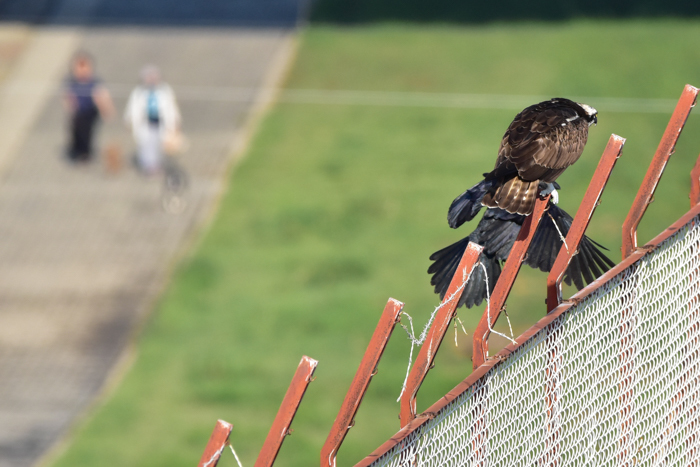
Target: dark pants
point(82, 125)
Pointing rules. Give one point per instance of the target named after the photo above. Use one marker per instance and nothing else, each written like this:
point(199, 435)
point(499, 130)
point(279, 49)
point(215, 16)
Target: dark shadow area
point(455, 11)
point(246, 13)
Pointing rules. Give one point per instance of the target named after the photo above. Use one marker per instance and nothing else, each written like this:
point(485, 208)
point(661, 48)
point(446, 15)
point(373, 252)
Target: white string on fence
point(510, 328)
point(238, 461)
point(215, 456)
point(218, 453)
point(488, 313)
point(420, 340)
point(410, 355)
point(457, 320)
point(561, 236)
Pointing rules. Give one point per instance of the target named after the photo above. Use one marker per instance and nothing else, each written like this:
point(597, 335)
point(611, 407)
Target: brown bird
point(541, 142)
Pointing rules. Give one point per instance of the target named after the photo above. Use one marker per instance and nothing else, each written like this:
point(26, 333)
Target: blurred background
point(323, 144)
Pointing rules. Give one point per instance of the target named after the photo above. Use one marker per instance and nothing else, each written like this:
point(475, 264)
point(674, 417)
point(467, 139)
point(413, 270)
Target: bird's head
point(591, 114)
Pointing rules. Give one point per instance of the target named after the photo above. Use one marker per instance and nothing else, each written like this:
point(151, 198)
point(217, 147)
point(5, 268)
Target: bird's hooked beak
point(591, 114)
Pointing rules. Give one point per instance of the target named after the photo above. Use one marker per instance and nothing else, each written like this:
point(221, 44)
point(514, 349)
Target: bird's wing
point(445, 264)
point(587, 265)
point(497, 231)
point(468, 204)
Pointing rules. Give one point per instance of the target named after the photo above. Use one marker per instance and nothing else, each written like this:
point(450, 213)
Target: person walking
point(153, 115)
point(85, 99)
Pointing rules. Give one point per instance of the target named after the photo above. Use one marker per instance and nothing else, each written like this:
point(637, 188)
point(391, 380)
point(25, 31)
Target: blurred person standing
point(85, 99)
point(154, 118)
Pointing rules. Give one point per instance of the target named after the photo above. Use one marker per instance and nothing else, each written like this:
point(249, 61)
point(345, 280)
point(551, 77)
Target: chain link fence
point(613, 380)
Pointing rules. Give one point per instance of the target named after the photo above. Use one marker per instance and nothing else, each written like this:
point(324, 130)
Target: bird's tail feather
point(468, 204)
point(586, 266)
point(445, 264)
point(516, 196)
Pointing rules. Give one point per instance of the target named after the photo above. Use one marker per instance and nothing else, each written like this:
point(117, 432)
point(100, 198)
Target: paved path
point(83, 253)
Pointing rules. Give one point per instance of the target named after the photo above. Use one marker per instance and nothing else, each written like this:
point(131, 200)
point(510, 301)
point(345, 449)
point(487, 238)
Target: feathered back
point(544, 139)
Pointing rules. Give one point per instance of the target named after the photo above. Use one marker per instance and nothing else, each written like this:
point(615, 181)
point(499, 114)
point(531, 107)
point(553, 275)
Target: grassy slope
point(336, 208)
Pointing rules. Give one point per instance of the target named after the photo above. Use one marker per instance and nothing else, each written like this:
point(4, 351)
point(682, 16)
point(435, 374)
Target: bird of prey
point(541, 142)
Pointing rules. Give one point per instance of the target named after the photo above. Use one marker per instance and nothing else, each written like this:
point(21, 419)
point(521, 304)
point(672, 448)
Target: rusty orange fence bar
point(656, 169)
point(695, 184)
point(583, 216)
point(368, 368)
point(426, 355)
point(280, 427)
point(505, 282)
point(216, 445)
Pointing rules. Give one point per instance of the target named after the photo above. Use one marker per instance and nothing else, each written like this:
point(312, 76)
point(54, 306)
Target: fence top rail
point(525, 337)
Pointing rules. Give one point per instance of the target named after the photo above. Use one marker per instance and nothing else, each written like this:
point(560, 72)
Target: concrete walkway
point(84, 253)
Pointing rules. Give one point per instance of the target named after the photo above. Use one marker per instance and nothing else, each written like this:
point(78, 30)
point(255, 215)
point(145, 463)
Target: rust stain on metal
point(217, 443)
point(286, 412)
point(590, 200)
point(359, 385)
point(656, 169)
point(426, 356)
point(505, 281)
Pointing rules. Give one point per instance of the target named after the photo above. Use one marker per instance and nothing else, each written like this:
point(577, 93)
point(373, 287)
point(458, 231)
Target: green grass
point(336, 208)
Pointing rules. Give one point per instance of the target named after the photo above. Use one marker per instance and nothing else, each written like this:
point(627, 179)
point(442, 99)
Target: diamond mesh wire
point(614, 380)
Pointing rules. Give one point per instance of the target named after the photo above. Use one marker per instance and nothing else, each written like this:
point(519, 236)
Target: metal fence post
point(280, 427)
point(217, 443)
point(428, 350)
point(583, 216)
point(656, 169)
point(363, 376)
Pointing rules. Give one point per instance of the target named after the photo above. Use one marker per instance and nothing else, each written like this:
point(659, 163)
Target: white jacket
point(136, 116)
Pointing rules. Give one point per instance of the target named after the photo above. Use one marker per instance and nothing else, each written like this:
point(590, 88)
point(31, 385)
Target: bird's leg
point(549, 188)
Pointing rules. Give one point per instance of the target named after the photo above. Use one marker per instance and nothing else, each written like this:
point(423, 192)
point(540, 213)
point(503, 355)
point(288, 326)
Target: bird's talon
point(555, 197)
point(550, 190)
